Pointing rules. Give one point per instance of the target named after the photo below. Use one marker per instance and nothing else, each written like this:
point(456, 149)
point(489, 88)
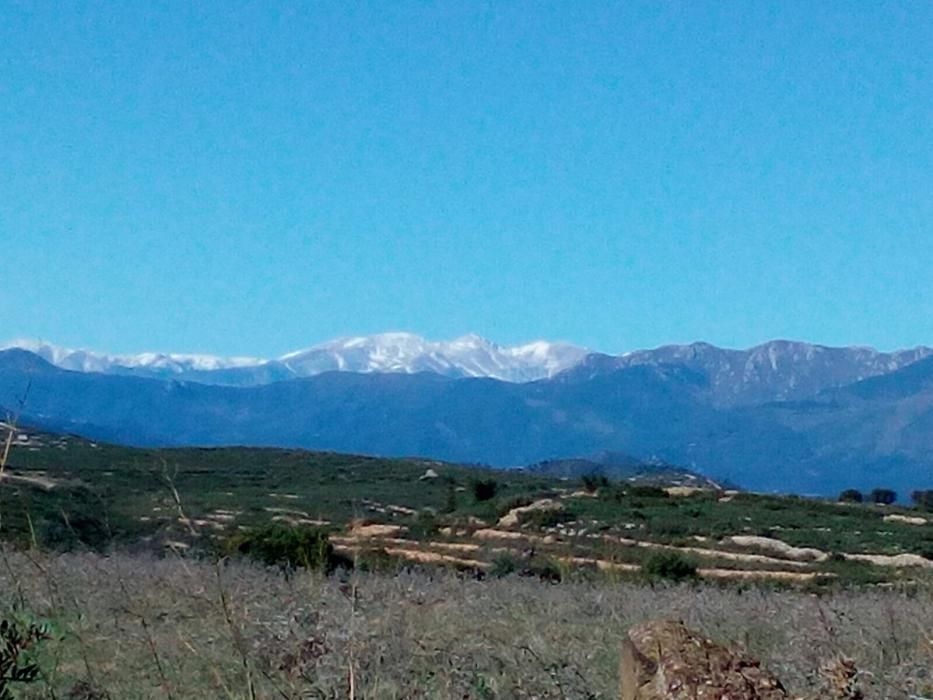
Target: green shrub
point(423, 526)
point(290, 547)
point(883, 496)
point(923, 499)
point(647, 492)
point(544, 569)
point(612, 493)
point(76, 531)
point(503, 565)
point(670, 566)
point(377, 560)
point(19, 641)
point(450, 498)
point(670, 528)
point(593, 482)
point(851, 496)
point(484, 489)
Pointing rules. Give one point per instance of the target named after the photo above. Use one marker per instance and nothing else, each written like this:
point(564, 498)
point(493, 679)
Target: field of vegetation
point(62, 492)
point(138, 626)
point(261, 573)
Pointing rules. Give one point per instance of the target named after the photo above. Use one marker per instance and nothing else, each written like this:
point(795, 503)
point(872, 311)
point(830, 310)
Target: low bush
point(647, 492)
point(544, 569)
point(883, 497)
point(503, 565)
point(377, 560)
point(289, 547)
point(670, 566)
point(851, 496)
point(77, 531)
point(593, 482)
point(423, 526)
point(923, 499)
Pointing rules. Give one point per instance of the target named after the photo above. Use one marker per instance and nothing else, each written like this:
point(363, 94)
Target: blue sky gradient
point(250, 178)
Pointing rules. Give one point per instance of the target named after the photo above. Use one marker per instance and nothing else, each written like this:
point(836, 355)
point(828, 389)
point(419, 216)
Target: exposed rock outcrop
point(664, 660)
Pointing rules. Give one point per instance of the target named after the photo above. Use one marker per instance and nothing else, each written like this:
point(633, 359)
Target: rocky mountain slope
point(780, 370)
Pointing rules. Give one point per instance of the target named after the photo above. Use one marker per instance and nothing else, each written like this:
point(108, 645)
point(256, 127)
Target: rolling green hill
point(65, 492)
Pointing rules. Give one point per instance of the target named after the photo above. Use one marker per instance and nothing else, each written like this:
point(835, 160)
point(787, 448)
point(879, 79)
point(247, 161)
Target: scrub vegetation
point(261, 573)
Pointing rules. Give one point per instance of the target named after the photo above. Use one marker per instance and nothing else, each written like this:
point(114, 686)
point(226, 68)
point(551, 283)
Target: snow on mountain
point(469, 356)
point(775, 371)
point(154, 362)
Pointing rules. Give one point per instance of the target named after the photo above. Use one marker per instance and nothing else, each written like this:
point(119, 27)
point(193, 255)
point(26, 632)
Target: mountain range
point(406, 353)
point(783, 416)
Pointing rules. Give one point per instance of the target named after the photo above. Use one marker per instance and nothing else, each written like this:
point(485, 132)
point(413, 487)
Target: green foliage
point(290, 547)
point(647, 492)
point(544, 569)
point(75, 531)
point(19, 643)
point(376, 560)
point(670, 566)
point(484, 489)
point(503, 565)
point(851, 496)
point(593, 482)
point(883, 496)
point(450, 498)
point(423, 526)
point(923, 499)
point(846, 572)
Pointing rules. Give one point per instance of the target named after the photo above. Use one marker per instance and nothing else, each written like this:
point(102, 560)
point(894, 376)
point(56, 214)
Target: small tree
point(851, 496)
point(593, 482)
point(289, 547)
point(923, 499)
point(484, 489)
point(883, 497)
point(450, 498)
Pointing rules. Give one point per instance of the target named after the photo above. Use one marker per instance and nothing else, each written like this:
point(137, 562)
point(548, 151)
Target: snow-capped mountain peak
point(467, 356)
point(156, 362)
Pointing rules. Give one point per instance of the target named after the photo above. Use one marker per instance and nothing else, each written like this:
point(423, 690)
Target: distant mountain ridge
point(875, 432)
point(405, 353)
point(778, 370)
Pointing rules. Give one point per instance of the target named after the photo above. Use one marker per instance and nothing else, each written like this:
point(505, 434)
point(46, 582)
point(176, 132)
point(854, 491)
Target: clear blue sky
point(237, 177)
